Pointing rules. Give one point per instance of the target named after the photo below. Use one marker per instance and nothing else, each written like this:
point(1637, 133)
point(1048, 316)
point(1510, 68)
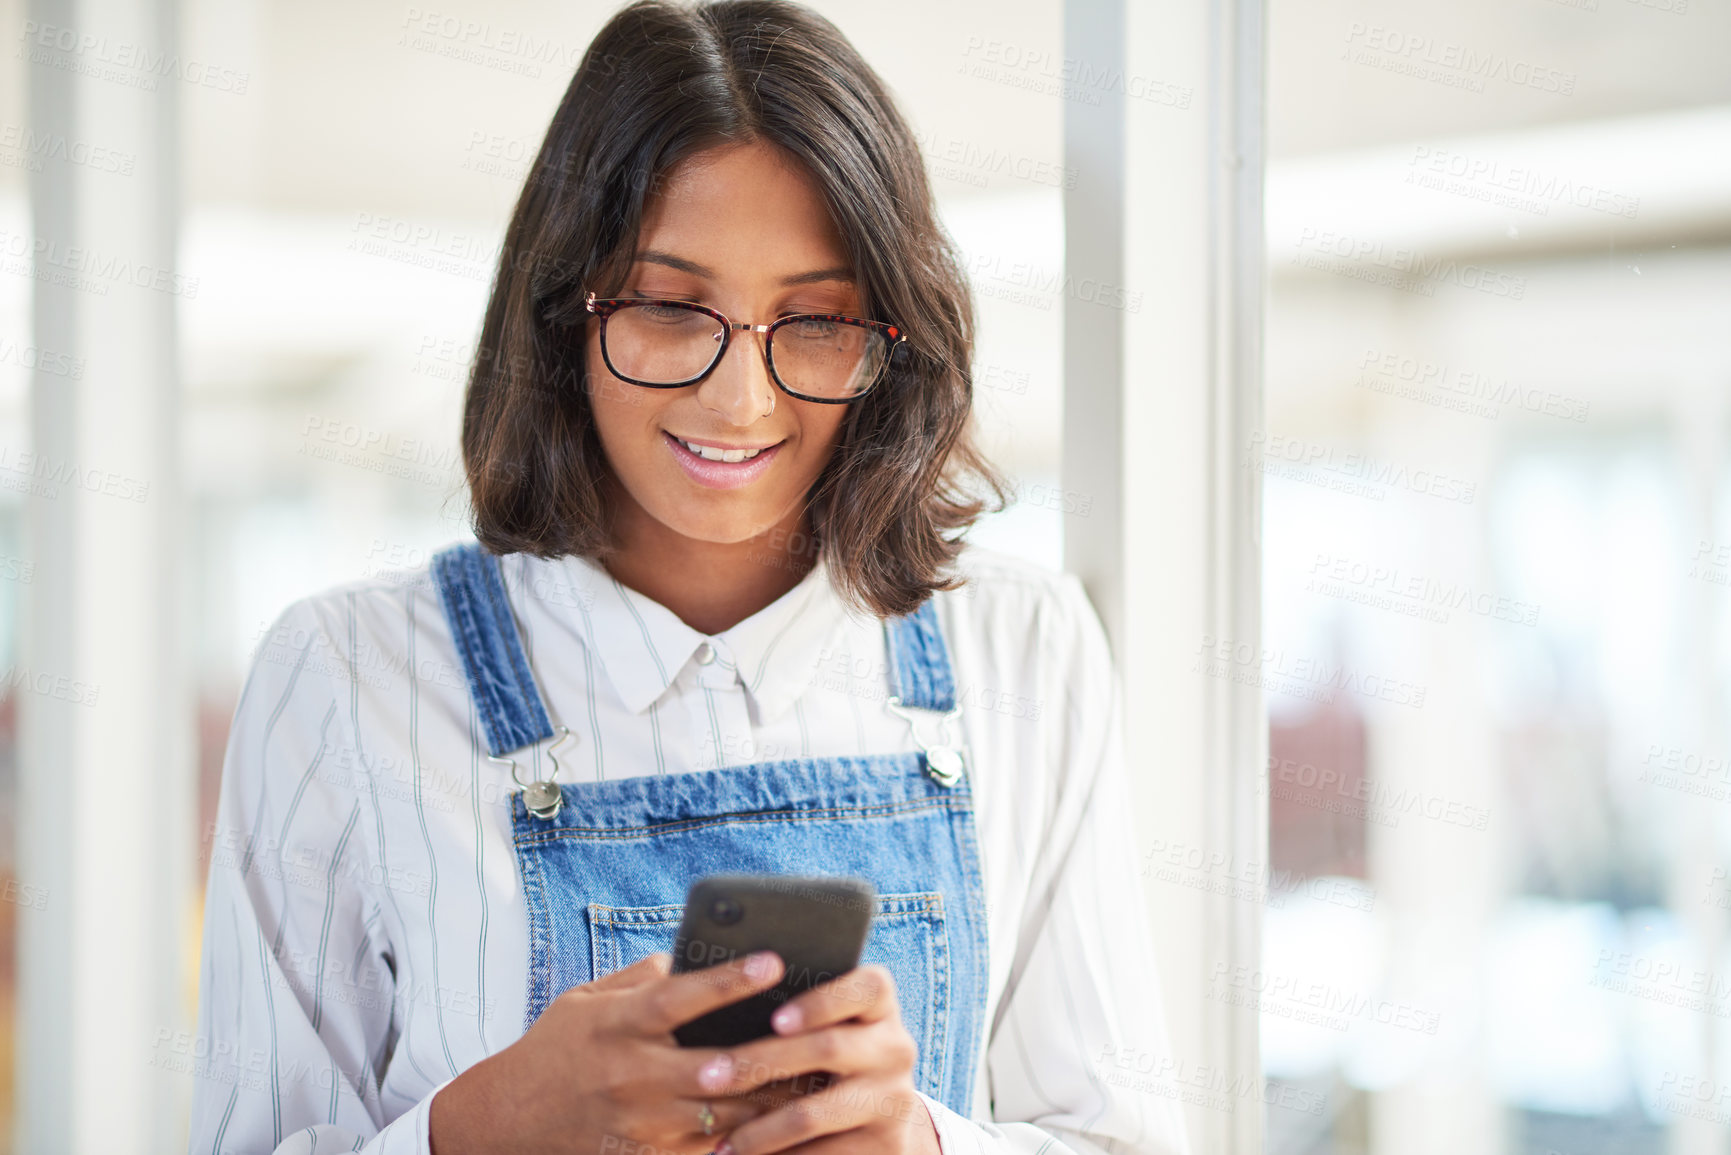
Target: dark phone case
point(817, 925)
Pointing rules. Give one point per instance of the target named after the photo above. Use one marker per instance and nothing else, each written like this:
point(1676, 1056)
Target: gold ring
point(707, 1118)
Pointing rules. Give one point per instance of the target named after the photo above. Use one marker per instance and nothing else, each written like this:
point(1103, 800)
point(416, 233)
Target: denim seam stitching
point(744, 817)
point(529, 721)
point(453, 593)
point(472, 594)
point(540, 930)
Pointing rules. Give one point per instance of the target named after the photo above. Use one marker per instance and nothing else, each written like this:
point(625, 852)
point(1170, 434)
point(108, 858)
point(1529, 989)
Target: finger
point(699, 1073)
point(866, 993)
point(733, 1110)
point(684, 1117)
point(849, 1048)
point(757, 1102)
point(850, 1142)
point(773, 1094)
point(791, 1087)
point(639, 972)
point(683, 997)
point(840, 1143)
point(843, 1106)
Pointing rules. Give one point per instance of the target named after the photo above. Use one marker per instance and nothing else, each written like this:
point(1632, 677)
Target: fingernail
point(716, 1073)
point(785, 1020)
point(760, 965)
point(724, 1148)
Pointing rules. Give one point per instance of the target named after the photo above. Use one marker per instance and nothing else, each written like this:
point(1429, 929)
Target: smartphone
point(818, 925)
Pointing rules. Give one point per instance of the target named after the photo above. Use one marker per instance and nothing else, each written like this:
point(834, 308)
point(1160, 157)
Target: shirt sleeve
point(297, 979)
point(1082, 993)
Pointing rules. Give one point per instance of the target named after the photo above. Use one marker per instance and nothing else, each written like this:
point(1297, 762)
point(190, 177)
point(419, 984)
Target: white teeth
point(710, 453)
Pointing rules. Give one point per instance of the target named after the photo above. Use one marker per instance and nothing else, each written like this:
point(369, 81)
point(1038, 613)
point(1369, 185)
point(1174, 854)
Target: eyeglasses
point(812, 356)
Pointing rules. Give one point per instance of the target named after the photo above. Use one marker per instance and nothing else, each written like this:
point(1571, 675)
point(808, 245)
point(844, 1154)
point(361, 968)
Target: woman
point(717, 446)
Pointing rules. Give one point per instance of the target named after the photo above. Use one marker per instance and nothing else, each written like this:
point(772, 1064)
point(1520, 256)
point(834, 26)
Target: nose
point(740, 389)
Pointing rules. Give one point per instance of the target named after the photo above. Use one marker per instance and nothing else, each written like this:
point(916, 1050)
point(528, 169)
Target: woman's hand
point(847, 1034)
point(600, 1072)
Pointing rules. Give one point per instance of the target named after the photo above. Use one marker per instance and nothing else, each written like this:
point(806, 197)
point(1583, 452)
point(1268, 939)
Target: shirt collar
point(642, 646)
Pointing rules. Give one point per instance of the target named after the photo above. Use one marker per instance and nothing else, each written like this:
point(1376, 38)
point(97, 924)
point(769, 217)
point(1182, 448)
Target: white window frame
point(1161, 400)
point(106, 792)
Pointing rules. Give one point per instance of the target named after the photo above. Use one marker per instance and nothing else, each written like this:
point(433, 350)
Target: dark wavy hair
point(660, 82)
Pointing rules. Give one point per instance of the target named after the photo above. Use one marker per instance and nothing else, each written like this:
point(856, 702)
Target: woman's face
point(742, 229)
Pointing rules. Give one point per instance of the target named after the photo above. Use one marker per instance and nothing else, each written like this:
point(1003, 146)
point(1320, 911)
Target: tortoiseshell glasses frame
point(877, 339)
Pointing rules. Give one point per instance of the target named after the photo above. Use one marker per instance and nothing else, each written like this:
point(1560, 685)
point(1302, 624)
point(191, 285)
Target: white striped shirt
point(365, 938)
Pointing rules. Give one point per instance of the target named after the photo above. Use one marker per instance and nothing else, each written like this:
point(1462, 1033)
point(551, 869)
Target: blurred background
point(1498, 358)
point(1496, 524)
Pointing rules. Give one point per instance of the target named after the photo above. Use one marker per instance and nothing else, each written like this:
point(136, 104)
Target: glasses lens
point(661, 344)
point(830, 359)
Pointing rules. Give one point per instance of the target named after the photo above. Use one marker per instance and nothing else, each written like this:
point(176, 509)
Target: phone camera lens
point(725, 911)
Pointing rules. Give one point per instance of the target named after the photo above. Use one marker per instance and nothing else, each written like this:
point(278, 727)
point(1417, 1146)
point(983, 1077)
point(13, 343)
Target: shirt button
point(705, 654)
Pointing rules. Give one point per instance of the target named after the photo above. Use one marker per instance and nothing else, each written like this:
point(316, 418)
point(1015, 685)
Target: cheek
point(822, 429)
point(601, 386)
point(617, 405)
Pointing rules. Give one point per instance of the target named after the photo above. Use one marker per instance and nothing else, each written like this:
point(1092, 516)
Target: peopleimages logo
point(1447, 62)
point(1041, 70)
point(1384, 586)
point(1410, 267)
point(969, 163)
point(1359, 473)
point(1335, 1007)
point(1312, 678)
point(40, 360)
point(1528, 188)
point(61, 687)
point(1467, 390)
point(86, 269)
point(1367, 799)
point(41, 146)
point(122, 61)
point(1200, 1084)
point(42, 474)
point(1028, 283)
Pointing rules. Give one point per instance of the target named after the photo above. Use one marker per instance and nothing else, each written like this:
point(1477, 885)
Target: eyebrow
point(657, 257)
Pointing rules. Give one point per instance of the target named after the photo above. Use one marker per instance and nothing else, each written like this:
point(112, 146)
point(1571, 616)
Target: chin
point(720, 528)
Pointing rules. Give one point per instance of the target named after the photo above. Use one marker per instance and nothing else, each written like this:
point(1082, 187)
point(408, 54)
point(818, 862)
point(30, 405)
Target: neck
point(711, 586)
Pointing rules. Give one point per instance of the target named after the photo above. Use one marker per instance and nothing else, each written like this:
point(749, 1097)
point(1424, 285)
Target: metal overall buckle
point(944, 761)
point(542, 798)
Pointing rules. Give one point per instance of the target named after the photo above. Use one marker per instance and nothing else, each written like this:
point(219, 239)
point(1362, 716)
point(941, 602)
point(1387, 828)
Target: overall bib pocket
point(908, 937)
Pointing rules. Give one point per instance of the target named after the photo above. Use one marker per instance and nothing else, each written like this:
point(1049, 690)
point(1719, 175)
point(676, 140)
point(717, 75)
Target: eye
point(642, 295)
point(812, 329)
point(669, 315)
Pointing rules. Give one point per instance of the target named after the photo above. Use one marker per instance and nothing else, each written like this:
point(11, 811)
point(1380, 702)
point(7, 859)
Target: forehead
point(744, 210)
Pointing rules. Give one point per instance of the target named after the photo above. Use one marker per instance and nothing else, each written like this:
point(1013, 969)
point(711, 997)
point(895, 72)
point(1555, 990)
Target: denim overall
point(605, 878)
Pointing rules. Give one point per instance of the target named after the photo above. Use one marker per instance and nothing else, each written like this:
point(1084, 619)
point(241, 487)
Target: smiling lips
point(715, 453)
point(718, 467)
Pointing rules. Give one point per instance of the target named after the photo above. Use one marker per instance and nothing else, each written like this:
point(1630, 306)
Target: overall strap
point(472, 593)
point(919, 660)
